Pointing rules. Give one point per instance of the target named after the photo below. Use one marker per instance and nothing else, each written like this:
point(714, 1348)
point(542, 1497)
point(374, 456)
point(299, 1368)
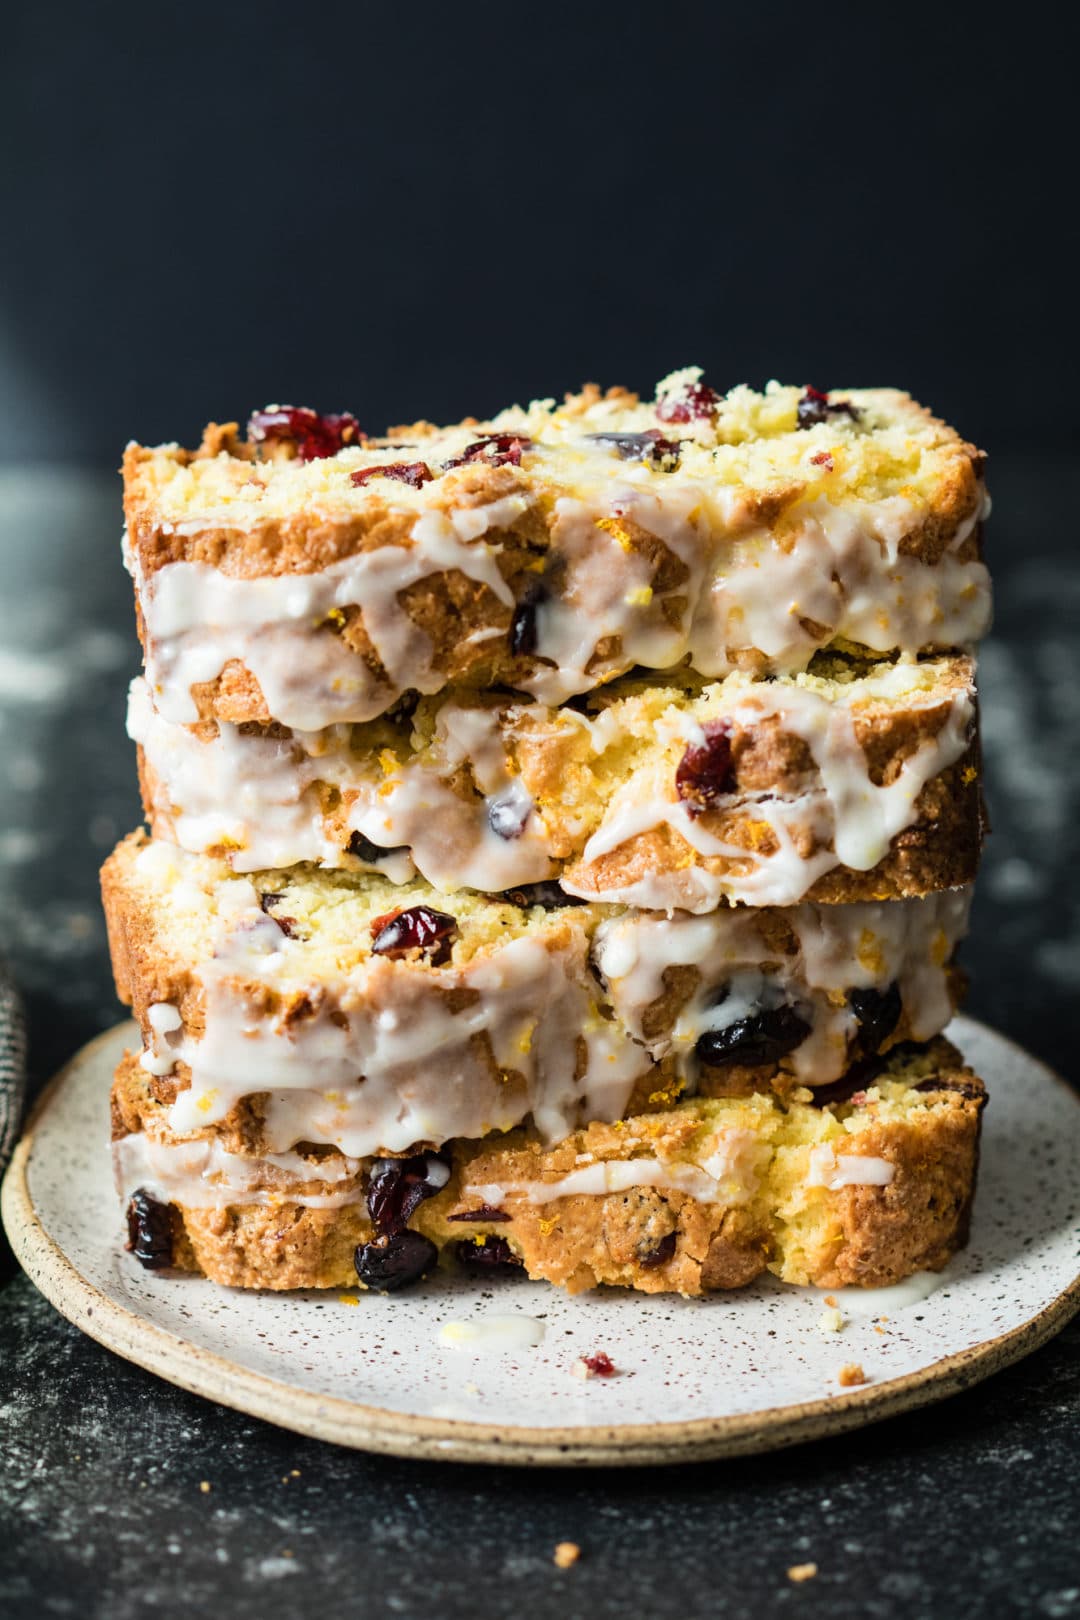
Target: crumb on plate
point(599, 1365)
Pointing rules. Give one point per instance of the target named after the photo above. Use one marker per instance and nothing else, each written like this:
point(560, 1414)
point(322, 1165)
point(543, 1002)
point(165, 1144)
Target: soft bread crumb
point(802, 1572)
point(851, 1373)
point(830, 1321)
point(566, 1553)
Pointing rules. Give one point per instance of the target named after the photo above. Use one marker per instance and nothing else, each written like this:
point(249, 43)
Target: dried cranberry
point(149, 1225)
point(815, 407)
point(661, 1254)
point(507, 815)
point(489, 1254)
point(706, 772)
point(695, 401)
point(600, 1364)
point(314, 436)
point(398, 933)
point(878, 1012)
point(496, 449)
point(546, 893)
point(523, 625)
point(365, 850)
point(267, 901)
point(762, 1038)
point(822, 459)
point(395, 1261)
point(650, 446)
point(484, 1213)
point(413, 473)
point(398, 1186)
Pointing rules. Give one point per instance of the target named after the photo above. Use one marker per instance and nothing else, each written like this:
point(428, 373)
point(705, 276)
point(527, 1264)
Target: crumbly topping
point(885, 444)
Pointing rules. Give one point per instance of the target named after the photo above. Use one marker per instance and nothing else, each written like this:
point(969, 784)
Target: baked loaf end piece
point(856, 780)
point(308, 575)
point(873, 1186)
point(339, 1009)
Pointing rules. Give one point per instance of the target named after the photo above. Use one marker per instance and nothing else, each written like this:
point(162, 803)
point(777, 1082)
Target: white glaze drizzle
point(260, 795)
point(165, 1025)
point(198, 619)
point(201, 1174)
point(840, 569)
point(844, 571)
point(452, 839)
point(862, 945)
point(728, 1173)
point(490, 1334)
point(834, 1171)
point(383, 1063)
point(876, 1302)
point(853, 819)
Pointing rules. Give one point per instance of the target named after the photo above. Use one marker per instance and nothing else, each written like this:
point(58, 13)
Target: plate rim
point(374, 1429)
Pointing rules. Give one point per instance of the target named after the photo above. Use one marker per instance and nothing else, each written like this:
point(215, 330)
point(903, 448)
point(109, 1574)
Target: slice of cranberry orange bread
point(336, 1008)
point(865, 1189)
point(852, 781)
point(309, 575)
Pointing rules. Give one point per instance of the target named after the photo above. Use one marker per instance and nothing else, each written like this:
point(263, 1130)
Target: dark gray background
point(433, 211)
point(439, 209)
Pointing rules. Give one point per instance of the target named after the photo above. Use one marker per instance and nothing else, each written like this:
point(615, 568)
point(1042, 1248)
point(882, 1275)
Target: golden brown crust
point(147, 970)
point(283, 1247)
point(151, 970)
point(921, 1218)
point(939, 849)
point(307, 541)
point(230, 521)
point(651, 1239)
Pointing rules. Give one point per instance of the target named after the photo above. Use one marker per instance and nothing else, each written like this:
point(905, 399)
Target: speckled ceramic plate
point(459, 1370)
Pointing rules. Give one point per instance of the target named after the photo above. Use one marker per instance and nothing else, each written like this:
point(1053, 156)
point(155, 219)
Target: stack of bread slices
point(561, 830)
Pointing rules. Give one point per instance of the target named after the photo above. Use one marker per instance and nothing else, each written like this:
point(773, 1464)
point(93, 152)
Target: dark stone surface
point(964, 1509)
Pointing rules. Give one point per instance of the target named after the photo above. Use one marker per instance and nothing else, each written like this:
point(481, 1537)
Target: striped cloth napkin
point(12, 1065)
